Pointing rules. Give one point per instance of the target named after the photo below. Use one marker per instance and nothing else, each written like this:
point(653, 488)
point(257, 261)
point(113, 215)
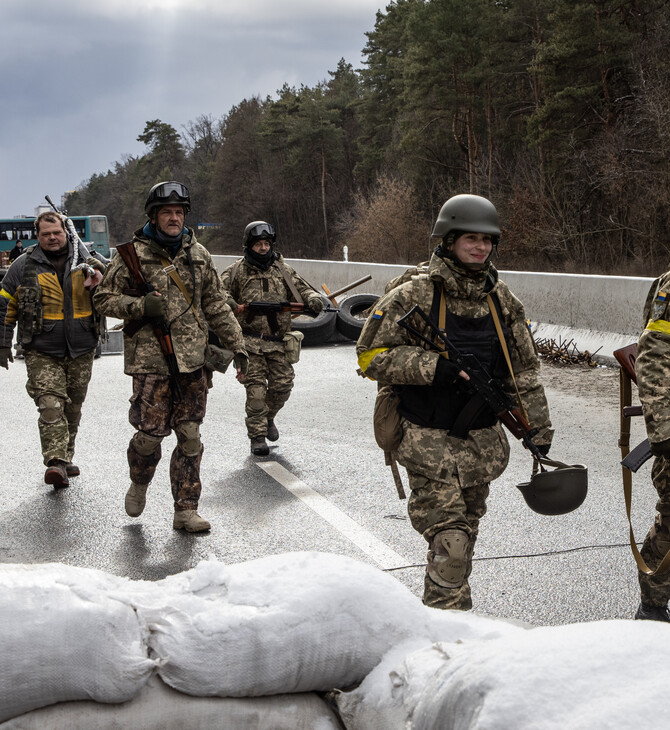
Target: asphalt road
point(325, 487)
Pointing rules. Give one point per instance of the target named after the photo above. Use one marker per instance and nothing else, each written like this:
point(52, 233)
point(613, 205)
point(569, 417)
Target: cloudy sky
point(81, 77)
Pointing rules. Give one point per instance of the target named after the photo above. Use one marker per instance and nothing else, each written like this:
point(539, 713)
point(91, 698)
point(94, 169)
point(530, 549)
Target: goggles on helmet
point(166, 189)
point(262, 230)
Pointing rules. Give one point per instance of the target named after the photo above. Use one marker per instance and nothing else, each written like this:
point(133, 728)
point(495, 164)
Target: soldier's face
point(170, 219)
point(51, 236)
point(473, 248)
point(262, 246)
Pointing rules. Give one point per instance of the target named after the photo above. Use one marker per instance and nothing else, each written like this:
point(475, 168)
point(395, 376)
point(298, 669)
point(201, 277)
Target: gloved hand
point(315, 303)
point(6, 357)
point(155, 305)
point(660, 448)
point(445, 372)
point(96, 264)
point(241, 361)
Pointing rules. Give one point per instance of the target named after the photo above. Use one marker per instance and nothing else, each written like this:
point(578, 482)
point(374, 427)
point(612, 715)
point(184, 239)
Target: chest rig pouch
point(30, 316)
point(454, 408)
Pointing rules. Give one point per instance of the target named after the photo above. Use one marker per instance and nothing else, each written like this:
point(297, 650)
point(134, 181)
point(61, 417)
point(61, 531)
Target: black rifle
point(626, 357)
point(480, 385)
point(160, 326)
point(271, 309)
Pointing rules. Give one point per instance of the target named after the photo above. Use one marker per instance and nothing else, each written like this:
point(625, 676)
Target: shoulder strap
point(289, 282)
point(170, 269)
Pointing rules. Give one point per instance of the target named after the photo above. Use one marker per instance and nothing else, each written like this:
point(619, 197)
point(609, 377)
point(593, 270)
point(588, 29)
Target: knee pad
point(449, 557)
point(145, 444)
point(188, 438)
point(51, 408)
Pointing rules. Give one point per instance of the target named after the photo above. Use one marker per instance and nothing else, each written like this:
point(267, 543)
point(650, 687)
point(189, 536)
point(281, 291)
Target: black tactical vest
point(437, 406)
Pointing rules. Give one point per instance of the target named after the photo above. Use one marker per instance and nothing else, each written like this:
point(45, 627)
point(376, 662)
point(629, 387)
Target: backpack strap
point(289, 282)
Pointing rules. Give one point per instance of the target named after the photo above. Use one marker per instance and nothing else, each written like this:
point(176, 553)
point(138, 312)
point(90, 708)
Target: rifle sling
point(625, 396)
point(171, 271)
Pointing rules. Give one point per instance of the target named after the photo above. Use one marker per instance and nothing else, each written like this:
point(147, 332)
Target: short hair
point(50, 217)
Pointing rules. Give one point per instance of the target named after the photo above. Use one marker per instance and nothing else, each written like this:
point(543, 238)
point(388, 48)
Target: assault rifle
point(89, 271)
point(626, 356)
point(160, 326)
point(480, 384)
point(254, 308)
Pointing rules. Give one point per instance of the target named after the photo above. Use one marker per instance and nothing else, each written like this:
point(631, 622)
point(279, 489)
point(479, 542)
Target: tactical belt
point(271, 338)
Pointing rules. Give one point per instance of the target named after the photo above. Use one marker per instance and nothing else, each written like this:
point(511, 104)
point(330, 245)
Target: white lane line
point(369, 544)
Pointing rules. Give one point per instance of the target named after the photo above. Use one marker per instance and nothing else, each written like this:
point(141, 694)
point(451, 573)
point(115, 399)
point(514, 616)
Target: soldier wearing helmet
point(262, 275)
point(184, 298)
point(652, 369)
point(449, 475)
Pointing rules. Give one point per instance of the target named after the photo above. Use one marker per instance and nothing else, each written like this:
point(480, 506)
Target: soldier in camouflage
point(449, 477)
point(49, 295)
point(652, 369)
point(263, 276)
point(187, 296)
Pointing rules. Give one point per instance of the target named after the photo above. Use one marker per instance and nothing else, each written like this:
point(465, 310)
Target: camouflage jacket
point(388, 354)
point(652, 366)
point(245, 283)
point(69, 325)
point(188, 324)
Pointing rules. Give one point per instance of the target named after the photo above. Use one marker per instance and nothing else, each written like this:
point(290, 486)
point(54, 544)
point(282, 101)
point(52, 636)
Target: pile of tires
point(335, 326)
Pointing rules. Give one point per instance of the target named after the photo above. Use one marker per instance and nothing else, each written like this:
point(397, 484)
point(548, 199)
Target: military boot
point(259, 446)
point(56, 474)
point(273, 432)
point(136, 498)
point(72, 470)
point(646, 612)
point(189, 520)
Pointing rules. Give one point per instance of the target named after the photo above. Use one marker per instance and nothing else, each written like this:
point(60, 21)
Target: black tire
point(353, 313)
point(316, 329)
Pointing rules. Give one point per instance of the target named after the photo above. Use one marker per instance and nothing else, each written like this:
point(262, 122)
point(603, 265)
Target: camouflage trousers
point(655, 590)
point(434, 506)
point(156, 412)
point(66, 379)
point(268, 382)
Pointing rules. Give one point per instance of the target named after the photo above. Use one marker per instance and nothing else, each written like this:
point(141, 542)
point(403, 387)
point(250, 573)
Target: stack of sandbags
point(63, 636)
point(610, 675)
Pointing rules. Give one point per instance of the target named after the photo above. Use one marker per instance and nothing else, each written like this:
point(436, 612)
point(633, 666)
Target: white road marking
point(382, 555)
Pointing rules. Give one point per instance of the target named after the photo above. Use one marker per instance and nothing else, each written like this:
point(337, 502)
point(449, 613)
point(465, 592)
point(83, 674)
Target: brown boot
point(189, 520)
point(56, 474)
point(273, 431)
point(259, 446)
point(136, 498)
point(72, 470)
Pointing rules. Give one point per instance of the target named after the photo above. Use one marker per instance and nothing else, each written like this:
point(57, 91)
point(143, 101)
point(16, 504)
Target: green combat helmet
point(169, 192)
point(556, 492)
point(470, 213)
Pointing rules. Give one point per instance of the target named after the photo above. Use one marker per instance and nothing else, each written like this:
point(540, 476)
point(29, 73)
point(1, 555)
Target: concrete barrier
point(597, 312)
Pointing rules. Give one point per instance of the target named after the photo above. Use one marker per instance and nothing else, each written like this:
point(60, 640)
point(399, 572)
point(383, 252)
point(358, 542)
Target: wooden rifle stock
point(160, 326)
point(626, 357)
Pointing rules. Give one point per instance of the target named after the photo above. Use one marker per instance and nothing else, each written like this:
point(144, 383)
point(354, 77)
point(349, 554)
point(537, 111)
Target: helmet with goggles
point(258, 231)
point(170, 192)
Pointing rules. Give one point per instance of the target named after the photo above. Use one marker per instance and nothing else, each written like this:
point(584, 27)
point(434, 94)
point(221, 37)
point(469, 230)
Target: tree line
point(557, 110)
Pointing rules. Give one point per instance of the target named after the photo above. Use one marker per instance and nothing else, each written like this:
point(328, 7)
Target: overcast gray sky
point(80, 78)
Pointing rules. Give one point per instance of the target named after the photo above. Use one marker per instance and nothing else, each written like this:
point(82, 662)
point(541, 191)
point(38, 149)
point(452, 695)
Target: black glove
point(96, 264)
point(241, 361)
point(445, 372)
point(543, 449)
point(660, 448)
point(5, 357)
point(155, 305)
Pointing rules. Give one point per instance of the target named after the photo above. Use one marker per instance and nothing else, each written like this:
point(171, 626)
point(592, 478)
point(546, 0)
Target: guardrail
point(598, 312)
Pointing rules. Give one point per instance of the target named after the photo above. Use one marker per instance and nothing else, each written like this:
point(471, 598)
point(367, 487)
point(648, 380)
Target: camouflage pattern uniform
point(59, 355)
point(154, 411)
point(269, 380)
point(449, 477)
point(652, 369)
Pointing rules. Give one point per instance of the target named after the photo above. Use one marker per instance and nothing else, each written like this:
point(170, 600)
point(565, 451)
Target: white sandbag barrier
point(249, 645)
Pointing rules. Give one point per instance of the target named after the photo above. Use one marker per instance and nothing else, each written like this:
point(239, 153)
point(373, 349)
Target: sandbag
point(158, 707)
point(296, 622)
point(64, 637)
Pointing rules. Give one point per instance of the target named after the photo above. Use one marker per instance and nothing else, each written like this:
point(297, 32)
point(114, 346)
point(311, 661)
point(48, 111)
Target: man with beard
point(49, 295)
